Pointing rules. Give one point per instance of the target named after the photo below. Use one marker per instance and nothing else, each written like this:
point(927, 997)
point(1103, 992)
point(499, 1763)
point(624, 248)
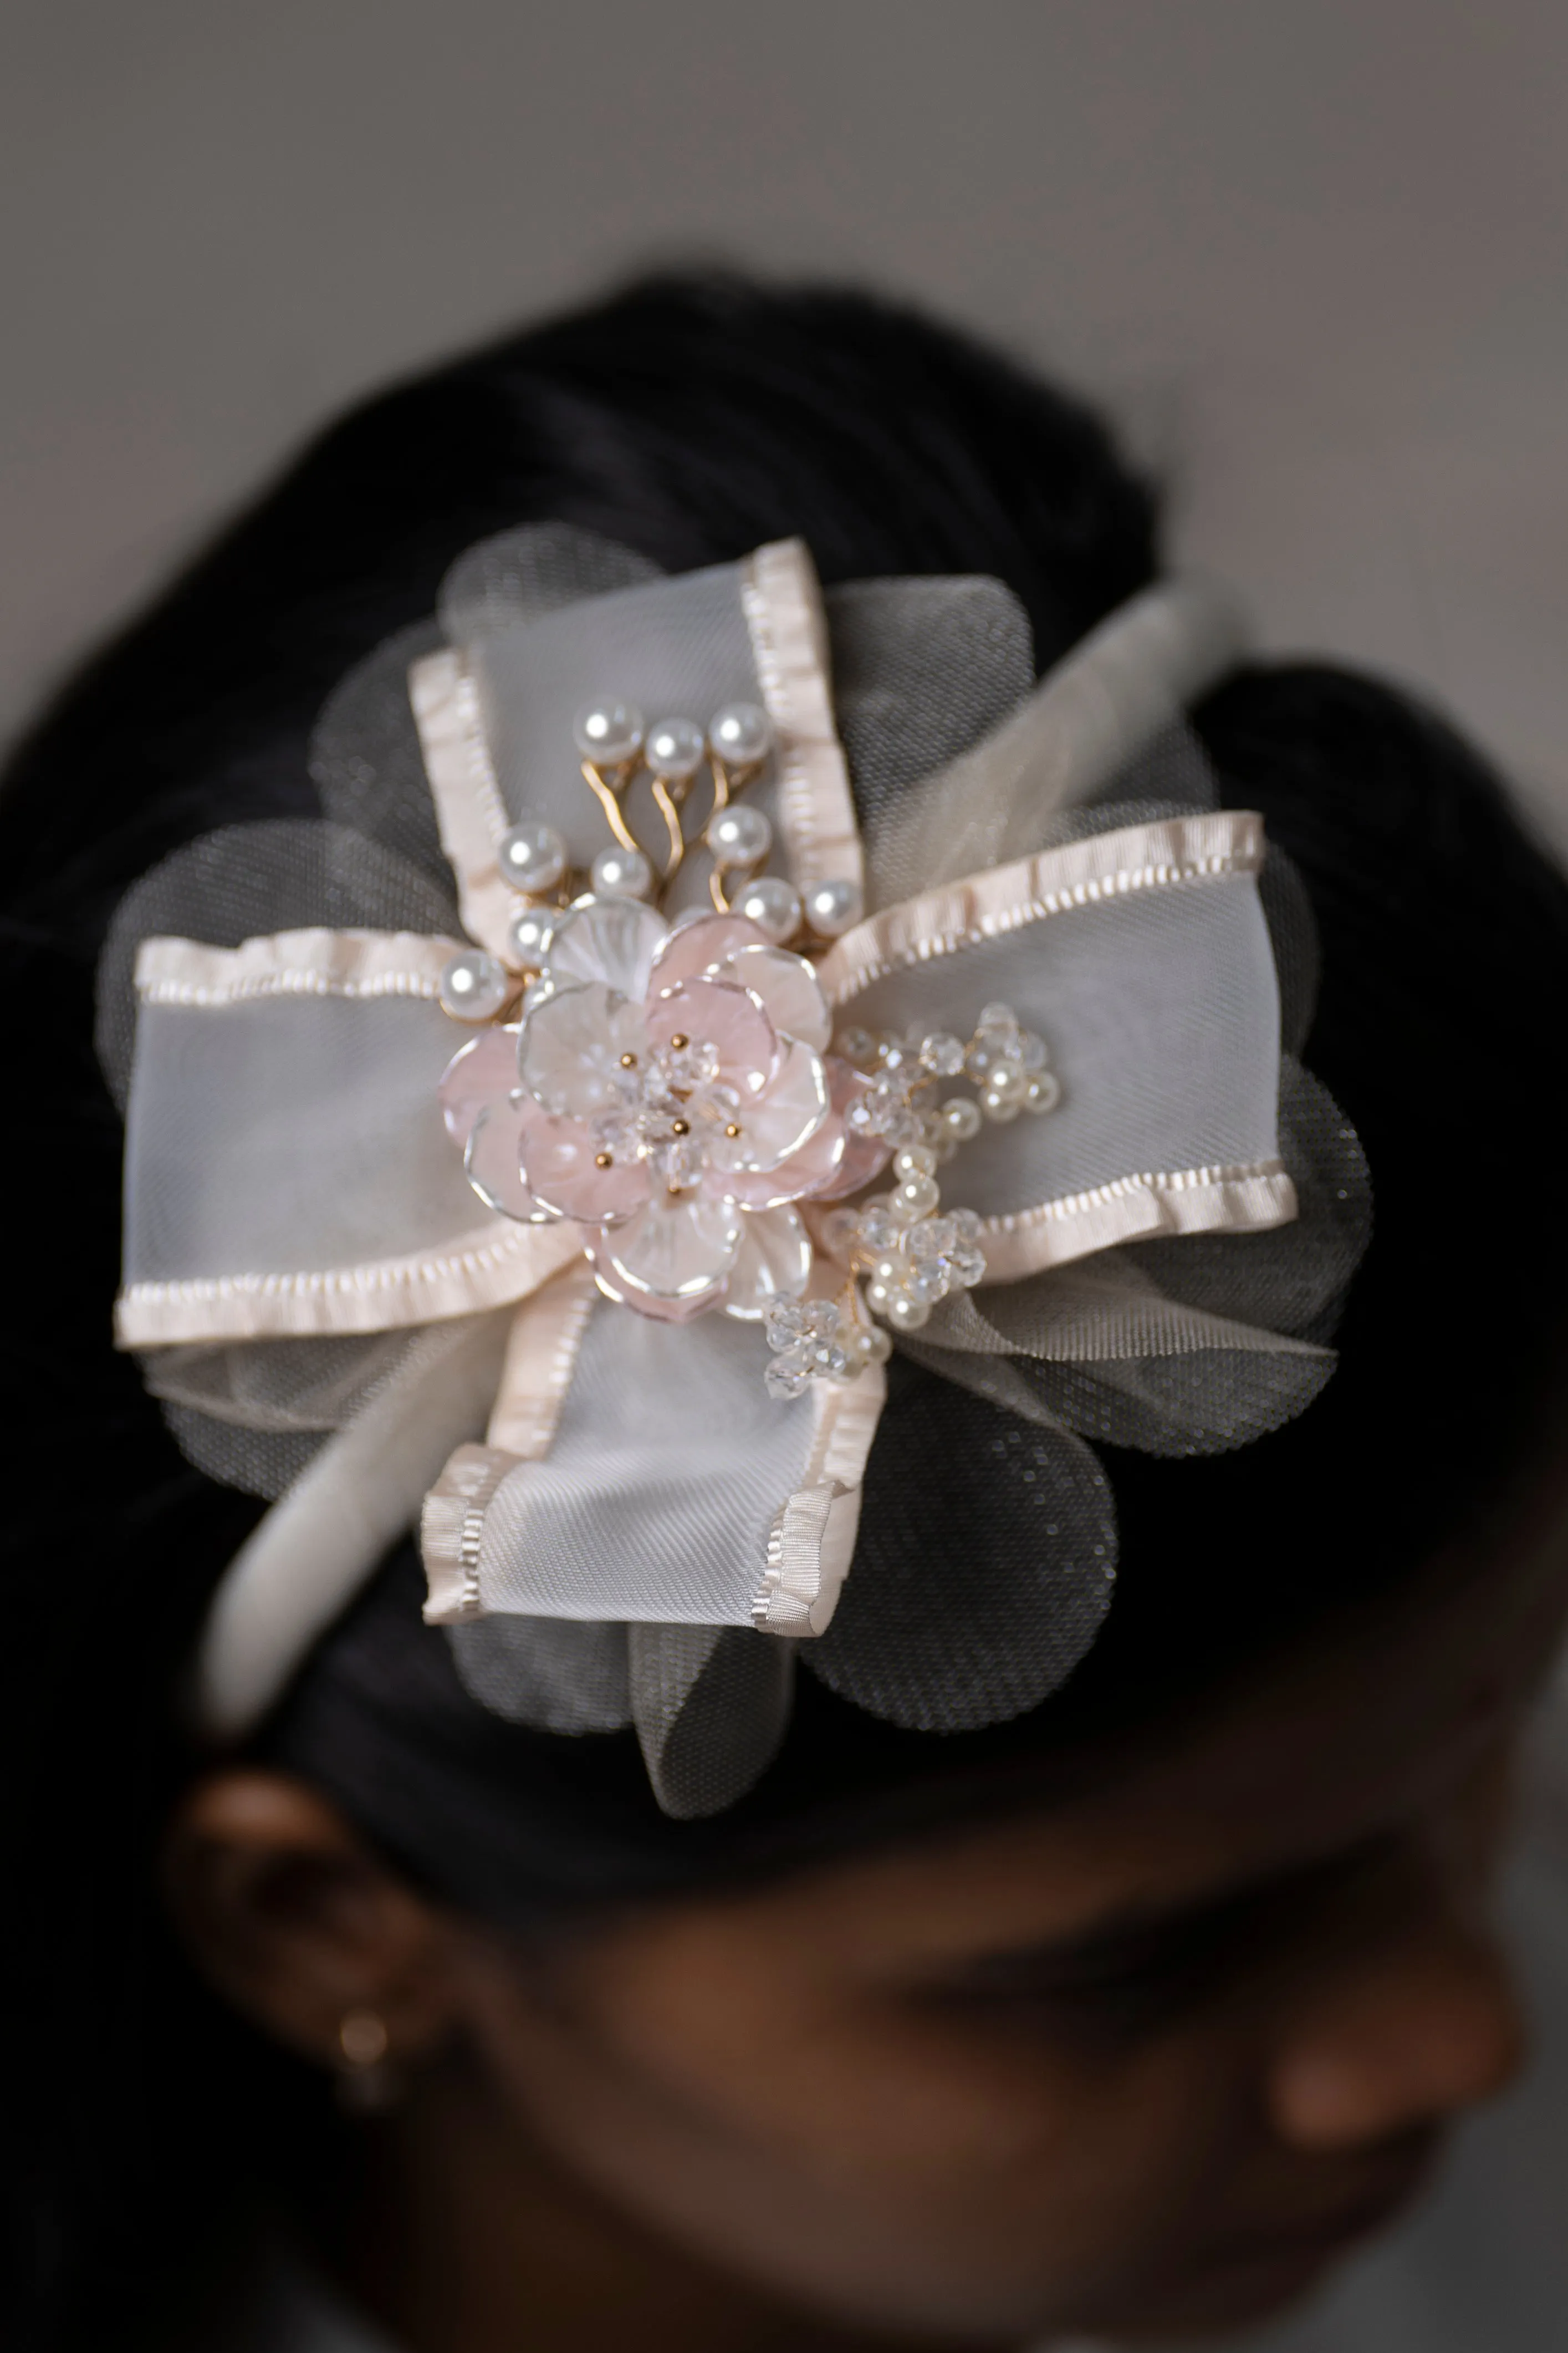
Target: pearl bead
point(529, 938)
point(773, 905)
point(620, 873)
point(1043, 1091)
point(608, 733)
point(674, 749)
point(914, 1160)
point(475, 985)
point(888, 1270)
point(999, 1108)
point(916, 1197)
point(740, 735)
point(961, 1117)
point(906, 1312)
point(831, 908)
point(1006, 1083)
point(876, 1347)
point(532, 856)
point(878, 1297)
point(739, 837)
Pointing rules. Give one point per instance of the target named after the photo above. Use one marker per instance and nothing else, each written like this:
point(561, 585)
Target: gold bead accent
point(628, 1061)
point(732, 1129)
point(681, 1127)
point(603, 1160)
point(680, 1042)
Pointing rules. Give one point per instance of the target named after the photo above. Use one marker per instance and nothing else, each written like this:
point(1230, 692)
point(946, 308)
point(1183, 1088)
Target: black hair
point(691, 418)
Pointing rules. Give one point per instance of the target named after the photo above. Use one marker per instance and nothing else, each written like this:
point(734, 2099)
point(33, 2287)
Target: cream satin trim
point(541, 1357)
point(452, 1530)
point(813, 1538)
point(1172, 853)
point(783, 604)
point(501, 1263)
point(314, 963)
point(1245, 1200)
point(469, 810)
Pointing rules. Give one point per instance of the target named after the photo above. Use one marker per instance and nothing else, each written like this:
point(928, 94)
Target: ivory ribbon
point(469, 810)
point(813, 1538)
point(498, 1262)
point(783, 604)
point(1172, 852)
point(540, 1354)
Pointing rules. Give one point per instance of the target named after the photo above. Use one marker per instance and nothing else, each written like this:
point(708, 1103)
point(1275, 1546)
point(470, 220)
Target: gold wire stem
point(668, 807)
point(606, 795)
point(720, 783)
point(718, 883)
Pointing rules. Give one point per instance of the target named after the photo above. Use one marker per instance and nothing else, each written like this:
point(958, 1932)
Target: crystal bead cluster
point(1005, 1063)
point(902, 1250)
point(818, 1340)
point(910, 1250)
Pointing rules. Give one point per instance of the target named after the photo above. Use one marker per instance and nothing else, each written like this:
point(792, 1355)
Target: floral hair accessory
point(986, 1056)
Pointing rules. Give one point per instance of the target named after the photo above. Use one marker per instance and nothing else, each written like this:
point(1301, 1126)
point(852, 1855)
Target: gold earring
point(369, 2080)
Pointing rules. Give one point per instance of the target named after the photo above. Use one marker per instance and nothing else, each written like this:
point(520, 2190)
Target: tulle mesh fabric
point(517, 576)
point(253, 1414)
point(711, 1705)
point(1294, 1279)
point(368, 769)
point(922, 669)
point(930, 1634)
point(560, 1674)
point(1176, 1347)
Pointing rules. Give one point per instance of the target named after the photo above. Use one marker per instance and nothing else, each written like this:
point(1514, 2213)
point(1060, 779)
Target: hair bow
point(553, 1140)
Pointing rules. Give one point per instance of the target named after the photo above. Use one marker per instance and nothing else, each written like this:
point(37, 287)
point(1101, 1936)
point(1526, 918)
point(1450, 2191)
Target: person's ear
point(306, 1932)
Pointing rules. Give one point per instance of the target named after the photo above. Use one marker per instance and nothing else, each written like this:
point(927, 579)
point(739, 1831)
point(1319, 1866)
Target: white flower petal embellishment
point(678, 1251)
point(774, 1261)
point(613, 941)
point(570, 1057)
point(700, 945)
point(788, 1116)
point(787, 988)
point(493, 1160)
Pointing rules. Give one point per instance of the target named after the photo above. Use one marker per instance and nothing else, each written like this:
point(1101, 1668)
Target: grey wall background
point(1312, 251)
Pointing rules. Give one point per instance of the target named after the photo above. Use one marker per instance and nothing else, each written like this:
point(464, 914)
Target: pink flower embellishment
point(670, 1092)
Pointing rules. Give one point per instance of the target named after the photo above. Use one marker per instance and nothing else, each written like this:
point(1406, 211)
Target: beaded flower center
point(675, 1112)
